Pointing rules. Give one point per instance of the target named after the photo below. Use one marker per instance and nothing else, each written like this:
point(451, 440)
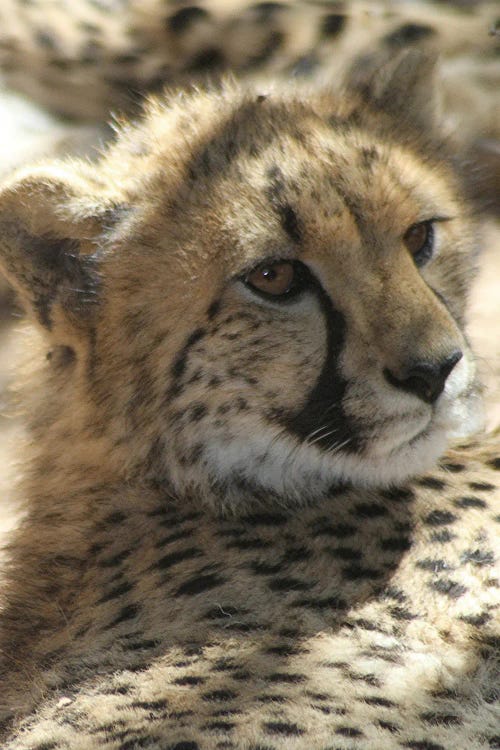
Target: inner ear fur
point(51, 219)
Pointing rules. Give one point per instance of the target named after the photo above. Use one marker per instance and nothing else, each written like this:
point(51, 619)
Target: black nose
point(425, 379)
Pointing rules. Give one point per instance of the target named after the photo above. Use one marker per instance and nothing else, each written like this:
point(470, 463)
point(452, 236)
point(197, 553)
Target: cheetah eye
point(279, 279)
point(419, 239)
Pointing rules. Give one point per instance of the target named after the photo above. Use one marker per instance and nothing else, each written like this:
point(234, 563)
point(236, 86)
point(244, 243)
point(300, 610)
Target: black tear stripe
point(179, 365)
point(322, 418)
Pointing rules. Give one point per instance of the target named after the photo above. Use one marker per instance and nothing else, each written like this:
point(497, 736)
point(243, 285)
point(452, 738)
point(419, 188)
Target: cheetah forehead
point(237, 175)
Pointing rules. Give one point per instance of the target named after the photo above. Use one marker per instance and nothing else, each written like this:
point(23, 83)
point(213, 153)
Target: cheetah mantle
point(240, 529)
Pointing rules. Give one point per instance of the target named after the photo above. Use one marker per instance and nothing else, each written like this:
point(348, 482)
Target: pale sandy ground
point(26, 132)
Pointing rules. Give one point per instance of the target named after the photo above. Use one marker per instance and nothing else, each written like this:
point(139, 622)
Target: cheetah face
point(330, 348)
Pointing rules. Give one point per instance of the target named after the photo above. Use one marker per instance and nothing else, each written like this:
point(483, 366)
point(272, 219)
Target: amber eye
point(273, 279)
point(419, 239)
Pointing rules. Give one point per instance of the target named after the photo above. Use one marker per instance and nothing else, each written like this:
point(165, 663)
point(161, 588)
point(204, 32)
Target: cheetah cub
point(252, 311)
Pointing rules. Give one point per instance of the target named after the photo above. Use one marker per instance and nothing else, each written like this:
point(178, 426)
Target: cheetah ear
point(403, 87)
point(49, 242)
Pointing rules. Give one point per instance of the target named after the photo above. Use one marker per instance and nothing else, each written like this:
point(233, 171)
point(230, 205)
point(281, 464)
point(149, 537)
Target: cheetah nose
point(424, 378)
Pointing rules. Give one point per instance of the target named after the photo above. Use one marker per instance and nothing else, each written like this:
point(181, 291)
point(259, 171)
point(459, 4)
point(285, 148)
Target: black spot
point(167, 561)
point(226, 610)
point(455, 468)
point(179, 364)
point(126, 58)
point(282, 728)
point(451, 588)
point(409, 33)
point(369, 510)
point(478, 557)
point(242, 676)
point(440, 719)
point(220, 726)
point(345, 553)
point(122, 588)
point(179, 22)
point(440, 518)
point(115, 518)
point(476, 620)
point(297, 554)
point(398, 494)
point(284, 650)
point(273, 698)
point(60, 64)
point(470, 502)
point(288, 584)
point(271, 45)
point(391, 592)
point(288, 678)
point(190, 680)
point(265, 569)
point(206, 59)
point(349, 732)
point(331, 602)
point(197, 412)
point(332, 24)
point(115, 560)
point(395, 544)
point(46, 39)
point(433, 483)
point(214, 309)
point(199, 584)
point(358, 573)
point(482, 486)
point(144, 645)
point(442, 536)
point(422, 745)
point(376, 700)
point(393, 728)
point(240, 404)
point(244, 544)
point(495, 463)
point(435, 566)
point(400, 613)
point(126, 613)
point(219, 695)
point(339, 530)
point(368, 157)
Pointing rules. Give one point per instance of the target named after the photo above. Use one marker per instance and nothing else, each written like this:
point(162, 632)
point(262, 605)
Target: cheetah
point(243, 527)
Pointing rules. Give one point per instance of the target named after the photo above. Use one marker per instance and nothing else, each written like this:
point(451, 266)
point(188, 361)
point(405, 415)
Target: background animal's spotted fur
point(335, 603)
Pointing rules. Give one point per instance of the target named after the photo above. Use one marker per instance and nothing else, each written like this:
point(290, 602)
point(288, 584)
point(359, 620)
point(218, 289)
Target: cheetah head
point(258, 297)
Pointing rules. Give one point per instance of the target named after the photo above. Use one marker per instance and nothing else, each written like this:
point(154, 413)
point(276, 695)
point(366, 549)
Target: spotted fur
point(242, 529)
